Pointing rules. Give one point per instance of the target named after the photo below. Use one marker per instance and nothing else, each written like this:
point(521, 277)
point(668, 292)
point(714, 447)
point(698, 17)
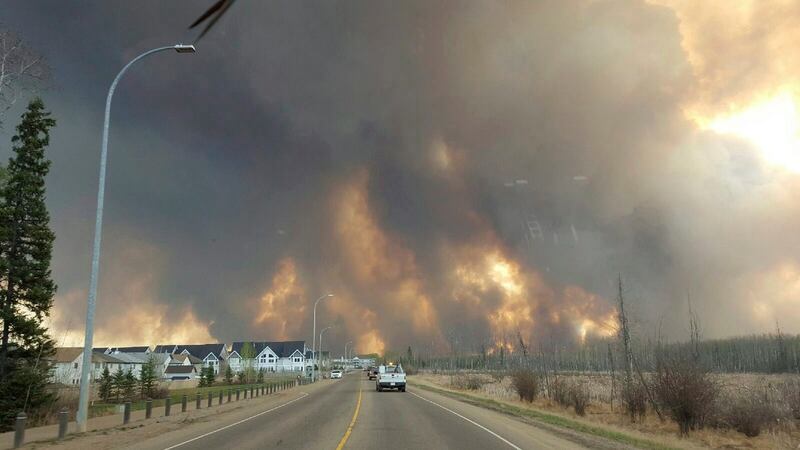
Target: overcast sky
point(450, 171)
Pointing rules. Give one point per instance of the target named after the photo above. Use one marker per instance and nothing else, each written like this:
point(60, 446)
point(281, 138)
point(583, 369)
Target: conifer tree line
point(123, 385)
point(26, 285)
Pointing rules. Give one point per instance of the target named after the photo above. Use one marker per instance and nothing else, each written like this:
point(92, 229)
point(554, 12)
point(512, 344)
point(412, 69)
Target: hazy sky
point(452, 171)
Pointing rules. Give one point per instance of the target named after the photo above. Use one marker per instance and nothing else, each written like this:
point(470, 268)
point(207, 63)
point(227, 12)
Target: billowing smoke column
point(460, 173)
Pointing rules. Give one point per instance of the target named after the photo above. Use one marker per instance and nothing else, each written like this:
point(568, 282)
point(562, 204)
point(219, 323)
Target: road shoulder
point(582, 433)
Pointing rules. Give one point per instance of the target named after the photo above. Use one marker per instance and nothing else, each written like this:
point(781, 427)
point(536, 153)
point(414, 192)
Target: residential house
point(180, 372)
point(212, 355)
point(68, 361)
point(133, 362)
point(137, 359)
point(184, 359)
point(287, 356)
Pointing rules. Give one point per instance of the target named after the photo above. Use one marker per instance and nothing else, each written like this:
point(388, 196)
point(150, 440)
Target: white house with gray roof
point(272, 356)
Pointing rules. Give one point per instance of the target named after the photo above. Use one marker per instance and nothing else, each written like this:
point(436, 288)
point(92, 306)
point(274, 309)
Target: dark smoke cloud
point(227, 163)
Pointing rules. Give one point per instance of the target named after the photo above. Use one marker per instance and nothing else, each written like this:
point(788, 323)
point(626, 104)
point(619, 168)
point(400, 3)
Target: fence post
point(245, 393)
point(220, 398)
point(148, 408)
point(19, 430)
point(237, 394)
point(197, 401)
point(63, 419)
point(183, 402)
point(251, 391)
point(229, 395)
point(167, 404)
point(126, 412)
point(209, 399)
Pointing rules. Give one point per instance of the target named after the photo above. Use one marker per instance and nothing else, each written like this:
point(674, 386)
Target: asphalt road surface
point(350, 414)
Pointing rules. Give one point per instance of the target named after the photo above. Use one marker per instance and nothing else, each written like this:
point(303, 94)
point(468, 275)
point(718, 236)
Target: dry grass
point(784, 434)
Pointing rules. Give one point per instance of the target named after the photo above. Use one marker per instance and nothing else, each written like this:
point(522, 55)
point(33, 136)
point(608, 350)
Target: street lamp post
point(321, 333)
point(345, 354)
point(314, 338)
point(83, 401)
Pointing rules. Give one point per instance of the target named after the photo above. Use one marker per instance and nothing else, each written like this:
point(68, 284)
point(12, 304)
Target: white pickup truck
point(391, 377)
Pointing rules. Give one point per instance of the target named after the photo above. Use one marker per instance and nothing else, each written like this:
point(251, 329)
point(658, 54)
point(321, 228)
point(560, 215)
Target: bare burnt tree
point(22, 70)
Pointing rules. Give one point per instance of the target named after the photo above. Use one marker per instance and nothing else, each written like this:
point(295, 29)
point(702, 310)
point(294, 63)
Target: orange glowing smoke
point(378, 262)
point(282, 309)
point(524, 298)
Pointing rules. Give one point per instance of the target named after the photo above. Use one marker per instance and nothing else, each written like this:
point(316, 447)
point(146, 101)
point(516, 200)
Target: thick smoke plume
point(456, 173)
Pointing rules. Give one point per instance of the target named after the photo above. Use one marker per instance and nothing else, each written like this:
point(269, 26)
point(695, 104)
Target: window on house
point(75, 365)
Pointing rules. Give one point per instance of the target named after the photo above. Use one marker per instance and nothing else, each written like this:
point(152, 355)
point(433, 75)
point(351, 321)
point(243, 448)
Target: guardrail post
point(126, 412)
point(220, 399)
point(209, 399)
point(19, 430)
point(229, 395)
point(198, 400)
point(237, 394)
point(148, 408)
point(245, 393)
point(184, 400)
point(63, 419)
point(167, 405)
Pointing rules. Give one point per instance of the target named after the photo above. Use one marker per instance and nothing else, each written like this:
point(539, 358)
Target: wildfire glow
point(281, 308)
point(775, 294)
point(378, 261)
point(772, 126)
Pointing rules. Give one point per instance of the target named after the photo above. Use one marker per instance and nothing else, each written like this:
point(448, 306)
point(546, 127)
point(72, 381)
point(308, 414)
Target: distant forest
point(768, 353)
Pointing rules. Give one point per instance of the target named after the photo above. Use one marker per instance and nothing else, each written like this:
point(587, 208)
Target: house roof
point(202, 350)
point(67, 354)
point(180, 357)
point(131, 358)
point(283, 349)
point(102, 357)
point(165, 348)
point(180, 369)
point(134, 349)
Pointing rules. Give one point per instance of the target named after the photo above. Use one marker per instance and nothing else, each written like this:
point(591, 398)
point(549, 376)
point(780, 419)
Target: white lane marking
point(305, 394)
point(470, 421)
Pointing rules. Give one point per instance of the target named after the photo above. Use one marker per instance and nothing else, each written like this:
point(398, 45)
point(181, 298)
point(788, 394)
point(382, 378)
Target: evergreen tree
point(105, 385)
point(26, 287)
point(118, 383)
point(202, 380)
point(210, 378)
point(147, 377)
point(228, 375)
point(130, 385)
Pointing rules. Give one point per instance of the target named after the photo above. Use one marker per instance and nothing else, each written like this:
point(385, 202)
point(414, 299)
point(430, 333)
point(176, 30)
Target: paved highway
point(350, 414)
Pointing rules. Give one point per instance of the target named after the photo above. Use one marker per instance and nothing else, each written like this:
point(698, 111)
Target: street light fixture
point(184, 48)
point(83, 399)
point(314, 338)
